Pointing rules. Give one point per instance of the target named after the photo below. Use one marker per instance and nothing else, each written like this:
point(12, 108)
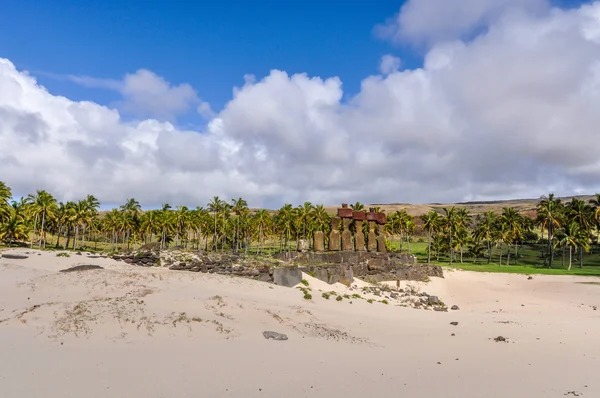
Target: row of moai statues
point(346, 240)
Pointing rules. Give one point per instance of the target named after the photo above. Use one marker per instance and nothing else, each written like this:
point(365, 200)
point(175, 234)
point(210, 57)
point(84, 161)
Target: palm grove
point(565, 229)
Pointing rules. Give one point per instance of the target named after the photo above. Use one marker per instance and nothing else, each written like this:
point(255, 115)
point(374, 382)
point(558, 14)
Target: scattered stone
point(500, 339)
point(81, 268)
point(274, 336)
point(574, 393)
point(432, 300)
point(530, 277)
point(453, 334)
point(14, 256)
point(455, 308)
point(454, 323)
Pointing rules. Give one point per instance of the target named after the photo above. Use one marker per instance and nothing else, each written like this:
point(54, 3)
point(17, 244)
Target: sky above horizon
point(292, 101)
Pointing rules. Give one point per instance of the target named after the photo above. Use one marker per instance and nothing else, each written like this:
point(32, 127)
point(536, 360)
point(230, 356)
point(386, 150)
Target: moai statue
point(346, 214)
point(359, 236)
point(372, 238)
point(334, 235)
point(319, 241)
point(381, 239)
point(303, 245)
point(347, 244)
point(381, 221)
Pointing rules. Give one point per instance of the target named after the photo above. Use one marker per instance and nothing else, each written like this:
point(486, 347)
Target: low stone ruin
point(344, 266)
point(286, 268)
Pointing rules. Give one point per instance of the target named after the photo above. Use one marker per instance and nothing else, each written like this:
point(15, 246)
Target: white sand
point(120, 332)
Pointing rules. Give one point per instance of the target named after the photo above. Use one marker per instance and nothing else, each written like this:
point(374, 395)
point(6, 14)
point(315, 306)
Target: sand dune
point(123, 331)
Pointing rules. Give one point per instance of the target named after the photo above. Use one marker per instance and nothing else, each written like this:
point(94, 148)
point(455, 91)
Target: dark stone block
point(288, 277)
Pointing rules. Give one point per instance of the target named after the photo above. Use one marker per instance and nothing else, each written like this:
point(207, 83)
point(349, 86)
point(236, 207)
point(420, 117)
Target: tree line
point(568, 227)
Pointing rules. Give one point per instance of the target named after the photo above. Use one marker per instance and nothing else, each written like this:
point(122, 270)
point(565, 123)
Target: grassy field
point(530, 261)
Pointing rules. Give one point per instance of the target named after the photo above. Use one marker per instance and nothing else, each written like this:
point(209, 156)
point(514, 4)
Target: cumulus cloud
point(429, 21)
point(145, 94)
point(510, 113)
point(389, 64)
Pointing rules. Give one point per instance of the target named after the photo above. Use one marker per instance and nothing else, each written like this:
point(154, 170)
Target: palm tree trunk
point(581, 257)
point(550, 247)
point(489, 251)
point(500, 263)
point(461, 253)
point(570, 256)
point(508, 255)
point(429, 248)
point(34, 228)
point(451, 251)
point(42, 229)
point(516, 254)
point(58, 237)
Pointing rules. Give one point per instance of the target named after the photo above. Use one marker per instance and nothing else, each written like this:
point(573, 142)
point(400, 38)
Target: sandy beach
point(125, 331)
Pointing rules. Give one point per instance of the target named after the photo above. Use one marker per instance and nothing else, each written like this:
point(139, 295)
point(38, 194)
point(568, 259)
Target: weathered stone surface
point(372, 238)
point(455, 308)
point(303, 245)
point(288, 276)
point(359, 236)
point(347, 244)
point(274, 336)
point(14, 256)
point(381, 239)
point(334, 235)
point(319, 241)
point(82, 268)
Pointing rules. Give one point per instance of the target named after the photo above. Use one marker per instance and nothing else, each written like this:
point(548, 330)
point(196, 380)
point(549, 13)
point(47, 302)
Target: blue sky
point(442, 126)
point(208, 44)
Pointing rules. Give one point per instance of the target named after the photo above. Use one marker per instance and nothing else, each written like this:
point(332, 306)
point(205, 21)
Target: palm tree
point(357, 206)
point(240, 206)
point(596, 203)
point(263, 219)
point(583, 215)
point(285, 224)
point(13, 227)
point(486, 230)
point(569, 239)
point(215, 207)
point(41, 204)
point(5, 195)
point(512, 225)
point(549, 211)
point(304, 213)
point(451, 224)
point(431, 224)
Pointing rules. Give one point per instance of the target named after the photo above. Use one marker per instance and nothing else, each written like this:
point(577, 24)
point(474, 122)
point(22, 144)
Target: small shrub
point(370, 301)
point(356, 296)
point(345, 282)
point(307, 296)
point(304, 282)
point(339, 298)
point(346, 296)
point(63, 254)
point(384, 301)
point(326, 295)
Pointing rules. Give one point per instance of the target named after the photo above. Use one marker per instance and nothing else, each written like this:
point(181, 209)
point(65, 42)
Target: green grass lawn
point(530, 261)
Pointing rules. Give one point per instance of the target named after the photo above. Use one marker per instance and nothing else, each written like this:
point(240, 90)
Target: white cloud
point(511, 113)
point(389, 64)
point(429, 21)
point(146, 94)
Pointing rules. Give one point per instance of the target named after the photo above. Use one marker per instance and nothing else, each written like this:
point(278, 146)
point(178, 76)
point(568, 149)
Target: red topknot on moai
point(356, 241)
